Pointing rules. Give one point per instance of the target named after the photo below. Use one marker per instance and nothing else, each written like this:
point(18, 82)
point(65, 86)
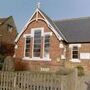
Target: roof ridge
point(69, 19)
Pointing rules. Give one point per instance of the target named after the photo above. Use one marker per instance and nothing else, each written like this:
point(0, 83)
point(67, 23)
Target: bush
point(9, 64)
point(80, 70)
point(64, 71)
point(1, 60)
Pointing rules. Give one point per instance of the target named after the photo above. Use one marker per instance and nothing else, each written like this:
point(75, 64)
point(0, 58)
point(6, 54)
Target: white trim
point(16, 46)
point(50, 26)
point(48, 33)
point(72, 59)
point(71, 45)
point(43, 45)
point(61, 45)
point(24, 46)
point(45, 33)
point(63, 57)
point(24, 28)
point(38, 19)
point(45, 69)
point(36, 29)
point(25, 35)
point(75, 60)
point(36, 59)
point(32, 33)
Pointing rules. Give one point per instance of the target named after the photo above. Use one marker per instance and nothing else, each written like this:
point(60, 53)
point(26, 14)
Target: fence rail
point(36, 81)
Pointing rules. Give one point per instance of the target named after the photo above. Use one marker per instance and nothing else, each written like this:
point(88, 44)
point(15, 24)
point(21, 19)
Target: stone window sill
point(75, 60)
point(36, 59)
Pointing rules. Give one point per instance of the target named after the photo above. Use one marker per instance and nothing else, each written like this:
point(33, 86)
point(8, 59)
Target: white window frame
point(25, 35)
point(71, 47)
point(73, 59)
point(32, 36)
point(50, 34)
point(73, 50)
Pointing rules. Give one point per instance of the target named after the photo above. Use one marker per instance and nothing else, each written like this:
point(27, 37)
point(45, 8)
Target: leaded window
point(46, 46)
point(27, 49)
point(37, 43)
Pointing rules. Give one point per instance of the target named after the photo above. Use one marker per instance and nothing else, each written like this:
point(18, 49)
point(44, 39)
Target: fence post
point(14, 81)
point(76, 78)
point(61, 83)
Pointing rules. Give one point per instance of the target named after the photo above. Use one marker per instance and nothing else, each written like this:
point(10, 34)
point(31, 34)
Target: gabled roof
point(54, 25)
point(48, 21)
point(75, 30)
point(72, 30)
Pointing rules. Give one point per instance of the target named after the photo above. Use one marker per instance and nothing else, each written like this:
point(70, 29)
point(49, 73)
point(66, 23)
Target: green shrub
point(1, 60)
point(64, 71)
point(80, 70)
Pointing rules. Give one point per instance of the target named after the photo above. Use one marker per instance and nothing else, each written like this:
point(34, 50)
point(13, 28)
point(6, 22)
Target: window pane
point(37, 43)
point(46, 46)
point(75, 53)
point(27, 49)
point(75, 56)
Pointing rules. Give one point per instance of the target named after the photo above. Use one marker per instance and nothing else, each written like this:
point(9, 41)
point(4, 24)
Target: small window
point(27, 49)
point(46, 46)
point(75, 52)
point(37, 43)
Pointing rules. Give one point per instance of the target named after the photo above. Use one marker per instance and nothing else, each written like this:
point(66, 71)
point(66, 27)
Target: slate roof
point(75, 30)
point(54, 25)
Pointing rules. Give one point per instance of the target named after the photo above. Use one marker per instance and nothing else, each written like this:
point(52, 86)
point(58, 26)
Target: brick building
point(46, 44)
point(8, 33)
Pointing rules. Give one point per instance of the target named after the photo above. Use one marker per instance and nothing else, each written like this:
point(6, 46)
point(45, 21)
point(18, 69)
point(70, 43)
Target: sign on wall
point(84, 55)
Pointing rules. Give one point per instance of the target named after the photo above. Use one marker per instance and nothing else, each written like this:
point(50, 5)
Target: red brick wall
point(55, 51)
point(85, 48)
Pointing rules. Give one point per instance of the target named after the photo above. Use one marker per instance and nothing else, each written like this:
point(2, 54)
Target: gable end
point(37, 11)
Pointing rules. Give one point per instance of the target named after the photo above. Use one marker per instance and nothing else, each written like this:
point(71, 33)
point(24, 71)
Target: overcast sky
point(21, 10)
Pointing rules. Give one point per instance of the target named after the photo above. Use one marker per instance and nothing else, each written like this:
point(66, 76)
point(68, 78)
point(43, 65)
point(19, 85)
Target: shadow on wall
point(88, 85)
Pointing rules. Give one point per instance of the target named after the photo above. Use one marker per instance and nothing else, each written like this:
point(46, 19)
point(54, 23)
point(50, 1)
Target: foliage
point(80, 70)
point(1, 60)
point(9, 64)
point(64, 71)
